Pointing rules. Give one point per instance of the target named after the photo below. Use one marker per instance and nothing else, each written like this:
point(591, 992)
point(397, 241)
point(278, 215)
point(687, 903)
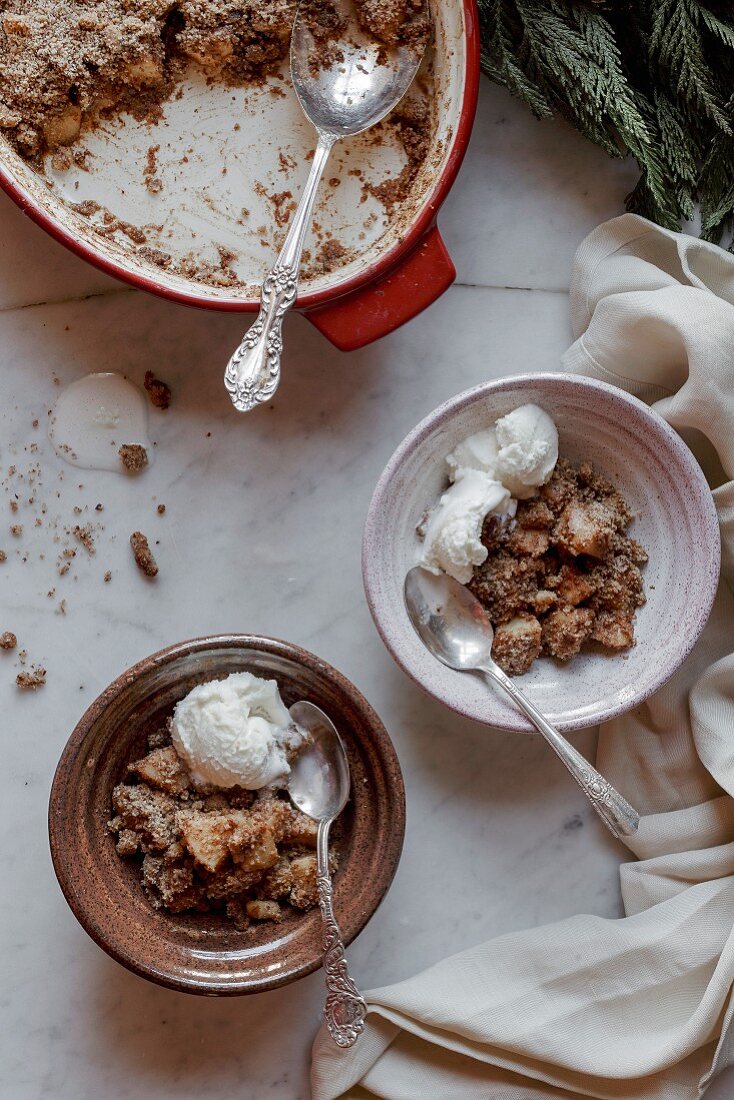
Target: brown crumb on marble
point(30, 681)
point(3, 556)
point(108, 576)
point(85, 536)
point(143, 554)
point(133, 457)
point(8, 640)
point(158, 392)
point(161, 509)
point(16, 530)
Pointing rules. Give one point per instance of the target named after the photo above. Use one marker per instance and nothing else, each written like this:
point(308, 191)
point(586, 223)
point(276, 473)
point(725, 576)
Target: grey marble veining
point(262, 533)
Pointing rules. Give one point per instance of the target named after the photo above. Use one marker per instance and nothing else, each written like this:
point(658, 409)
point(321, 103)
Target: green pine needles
point(651, 78)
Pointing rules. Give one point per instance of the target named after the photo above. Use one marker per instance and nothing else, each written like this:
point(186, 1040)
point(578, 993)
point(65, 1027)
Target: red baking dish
point(231, 161)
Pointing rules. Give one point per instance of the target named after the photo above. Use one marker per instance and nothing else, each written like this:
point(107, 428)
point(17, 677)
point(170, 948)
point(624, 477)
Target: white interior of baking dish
point(224, 153)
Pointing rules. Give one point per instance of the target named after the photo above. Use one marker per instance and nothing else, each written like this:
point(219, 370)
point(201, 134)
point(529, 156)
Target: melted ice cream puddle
point(94, 416)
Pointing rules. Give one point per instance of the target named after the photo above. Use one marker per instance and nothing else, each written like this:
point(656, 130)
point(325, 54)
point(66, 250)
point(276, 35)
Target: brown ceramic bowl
point(202, 953)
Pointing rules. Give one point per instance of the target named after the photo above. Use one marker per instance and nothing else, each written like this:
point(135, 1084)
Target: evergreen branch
point(677, 44)
point(723, 31)
point(498, 59)
point(650, 78)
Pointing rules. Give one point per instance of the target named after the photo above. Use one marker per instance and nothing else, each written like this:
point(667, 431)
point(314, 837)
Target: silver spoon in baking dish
point(319, 786)
point(454, 626)
point(341, 97)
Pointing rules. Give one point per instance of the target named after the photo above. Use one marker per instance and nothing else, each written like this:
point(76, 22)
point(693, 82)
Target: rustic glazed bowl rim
point(85, 730)
point(372, 563)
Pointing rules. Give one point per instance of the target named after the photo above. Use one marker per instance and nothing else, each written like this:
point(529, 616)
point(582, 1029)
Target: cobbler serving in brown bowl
point(211, 889)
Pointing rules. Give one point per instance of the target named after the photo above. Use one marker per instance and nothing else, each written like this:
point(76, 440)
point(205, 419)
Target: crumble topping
point(248, 855)
point(66, 65)
point(143, 554)
point(133, 457)
point(563, 574)
point(30, 681)
point(158, 392)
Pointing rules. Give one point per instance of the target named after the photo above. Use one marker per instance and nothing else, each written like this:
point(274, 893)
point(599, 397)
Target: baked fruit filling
point(564, 573)
point(250, 856)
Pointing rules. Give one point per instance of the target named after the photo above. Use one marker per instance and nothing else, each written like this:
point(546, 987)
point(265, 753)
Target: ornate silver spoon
point(455, 628)
point(319, 786)
point(342, 98)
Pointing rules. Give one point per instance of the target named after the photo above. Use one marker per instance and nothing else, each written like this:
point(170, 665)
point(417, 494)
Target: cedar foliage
point(650, 78)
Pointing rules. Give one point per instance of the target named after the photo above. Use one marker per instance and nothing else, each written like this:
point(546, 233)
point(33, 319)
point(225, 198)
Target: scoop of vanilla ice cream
point(527, 442)
point(478, 452)
point(451, 541)
point(235, 733)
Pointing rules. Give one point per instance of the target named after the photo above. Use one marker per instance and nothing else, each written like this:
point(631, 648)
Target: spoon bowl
point(362, 83)
point(319, 780)
point(452, 624)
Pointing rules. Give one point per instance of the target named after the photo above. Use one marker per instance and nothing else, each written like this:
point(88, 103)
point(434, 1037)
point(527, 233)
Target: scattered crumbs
point(3, 556)
point(29, 681)
point(16, 530)
point(64, 569)
point(35, 423)
point(134, 457)
point(23, 656)
point(99, 507)
point(85, 537)
point(8, 640)
point(158, 392)
point(108, 576)
point(13, 505)
point(161, 509)
point(143, 554)
point(61, 609)
point(77, 510)
point(87, 209)
point(152, 182)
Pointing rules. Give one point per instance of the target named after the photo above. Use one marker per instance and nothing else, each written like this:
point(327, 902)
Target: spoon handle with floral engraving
point(615, 811)
point(345, 1009)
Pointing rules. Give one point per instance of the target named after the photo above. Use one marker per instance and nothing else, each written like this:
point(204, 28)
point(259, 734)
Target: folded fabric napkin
point(639, 1006)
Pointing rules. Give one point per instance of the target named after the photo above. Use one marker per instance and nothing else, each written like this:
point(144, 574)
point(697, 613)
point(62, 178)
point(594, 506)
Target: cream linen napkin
point(640, 1006)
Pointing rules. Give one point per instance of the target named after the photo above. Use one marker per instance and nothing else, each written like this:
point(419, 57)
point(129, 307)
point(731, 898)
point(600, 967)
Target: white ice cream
point(452, 534)
point(527, 450)
point(478, 452)
point(235, 732)
point(489, 471)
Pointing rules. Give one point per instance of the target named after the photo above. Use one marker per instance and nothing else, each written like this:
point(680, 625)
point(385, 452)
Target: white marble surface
point(262, 533)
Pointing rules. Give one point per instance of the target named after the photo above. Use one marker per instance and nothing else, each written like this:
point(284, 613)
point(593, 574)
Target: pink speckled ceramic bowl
point(675, 520)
